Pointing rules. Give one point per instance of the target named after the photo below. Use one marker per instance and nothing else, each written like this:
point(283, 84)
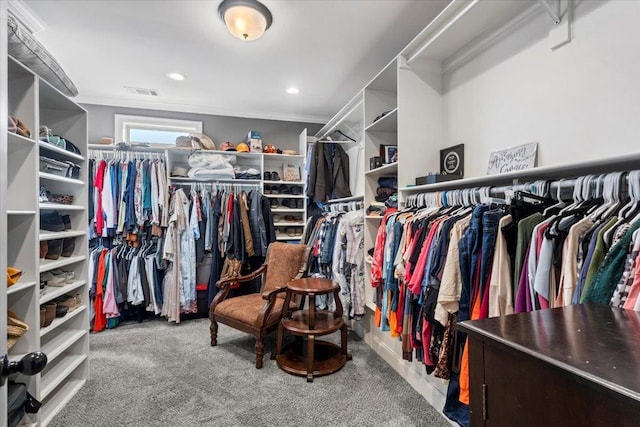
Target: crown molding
point(26, 16)
point(196, 109)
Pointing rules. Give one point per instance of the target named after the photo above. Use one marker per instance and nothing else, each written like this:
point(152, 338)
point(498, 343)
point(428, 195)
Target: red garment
point(100, 320)
point(98, 183)
point(426, 343)
point(378, 250)
point(415, 285)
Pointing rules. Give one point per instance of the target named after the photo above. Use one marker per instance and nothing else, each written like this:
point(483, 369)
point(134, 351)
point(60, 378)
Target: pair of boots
point(54, 249)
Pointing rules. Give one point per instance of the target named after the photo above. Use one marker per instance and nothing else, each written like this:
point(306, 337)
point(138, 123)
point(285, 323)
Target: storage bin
point(53, 166)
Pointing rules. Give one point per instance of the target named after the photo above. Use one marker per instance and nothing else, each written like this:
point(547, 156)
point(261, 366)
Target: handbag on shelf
point(13, 275)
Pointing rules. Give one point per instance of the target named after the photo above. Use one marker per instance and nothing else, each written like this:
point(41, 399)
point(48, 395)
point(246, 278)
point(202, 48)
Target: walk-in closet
point(252, 212)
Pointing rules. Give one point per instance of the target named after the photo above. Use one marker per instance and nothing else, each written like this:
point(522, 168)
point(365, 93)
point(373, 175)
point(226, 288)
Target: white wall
point(580, 102)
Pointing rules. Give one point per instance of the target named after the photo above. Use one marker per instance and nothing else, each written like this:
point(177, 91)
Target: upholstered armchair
point(259, 313)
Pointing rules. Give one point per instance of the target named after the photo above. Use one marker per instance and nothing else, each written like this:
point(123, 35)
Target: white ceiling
point(328, 49)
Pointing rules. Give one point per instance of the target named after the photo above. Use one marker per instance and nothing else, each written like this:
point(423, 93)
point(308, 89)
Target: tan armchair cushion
point(246, 308)
point(284, 263)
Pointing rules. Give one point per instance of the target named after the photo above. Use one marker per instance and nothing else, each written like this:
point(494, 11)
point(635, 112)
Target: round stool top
point(312, 285)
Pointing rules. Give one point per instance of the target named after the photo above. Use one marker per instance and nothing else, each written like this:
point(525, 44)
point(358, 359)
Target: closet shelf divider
point(51, 235)
point(50, 147)
point(50, 177)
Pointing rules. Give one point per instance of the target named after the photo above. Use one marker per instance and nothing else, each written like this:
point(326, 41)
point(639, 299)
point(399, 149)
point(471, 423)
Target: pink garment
point(632, 298)
point(415, 285)
point(109, 305)
point(98, 183)
point(541, 230)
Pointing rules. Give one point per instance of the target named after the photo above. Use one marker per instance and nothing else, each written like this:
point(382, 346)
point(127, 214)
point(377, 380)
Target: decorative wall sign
point(513, 159)
point(452, 160)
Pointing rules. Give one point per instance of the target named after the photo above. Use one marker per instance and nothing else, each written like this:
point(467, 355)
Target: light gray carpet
point(161, 374)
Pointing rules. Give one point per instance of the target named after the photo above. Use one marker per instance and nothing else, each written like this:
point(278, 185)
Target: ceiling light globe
point(176, 76)
point(293, 91)
point(245, 19)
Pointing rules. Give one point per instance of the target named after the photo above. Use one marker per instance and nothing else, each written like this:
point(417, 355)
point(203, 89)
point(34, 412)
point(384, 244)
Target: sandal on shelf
point(291, 232)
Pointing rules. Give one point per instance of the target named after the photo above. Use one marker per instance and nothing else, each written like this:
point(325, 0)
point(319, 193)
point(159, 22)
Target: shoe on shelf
point(66, 219)
point(287, 203)
point(274, 203)
point(267, 176)
point(267, 189)
point(54, 249)
point(299, 204)
point(43, 318)
point(276, 218)
point(44, 247)
point(275, 176)
point(284, 189)
point(50, 313)
point(51, 221)
point(68, 246)
point(296, 190)
point(52, 279)
point(61, 310)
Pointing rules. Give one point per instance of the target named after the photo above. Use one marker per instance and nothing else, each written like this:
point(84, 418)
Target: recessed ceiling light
point(176, 76)
point(293, 91)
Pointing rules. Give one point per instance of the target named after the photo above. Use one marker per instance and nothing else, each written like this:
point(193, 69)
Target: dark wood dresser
point(571, 366)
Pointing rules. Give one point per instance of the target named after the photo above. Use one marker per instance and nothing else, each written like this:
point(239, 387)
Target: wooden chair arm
point(270, 294)
point(227, 281)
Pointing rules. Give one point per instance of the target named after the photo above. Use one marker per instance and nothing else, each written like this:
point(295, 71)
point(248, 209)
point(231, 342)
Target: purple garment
point(522, 298)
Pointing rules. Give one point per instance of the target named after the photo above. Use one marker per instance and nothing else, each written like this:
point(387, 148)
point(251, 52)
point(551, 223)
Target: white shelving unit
point(66, 341)
point(261, 162)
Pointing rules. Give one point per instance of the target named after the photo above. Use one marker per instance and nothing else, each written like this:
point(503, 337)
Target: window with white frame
point(153, 130)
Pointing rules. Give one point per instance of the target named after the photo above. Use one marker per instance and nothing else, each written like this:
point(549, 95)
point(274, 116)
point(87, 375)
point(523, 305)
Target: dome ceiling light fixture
point(245, 19)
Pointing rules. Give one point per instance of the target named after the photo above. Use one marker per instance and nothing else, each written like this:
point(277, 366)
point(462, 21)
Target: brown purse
point(231, 268)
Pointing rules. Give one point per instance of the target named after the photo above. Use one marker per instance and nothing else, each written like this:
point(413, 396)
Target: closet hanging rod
point(344, 199)
point(102, 147)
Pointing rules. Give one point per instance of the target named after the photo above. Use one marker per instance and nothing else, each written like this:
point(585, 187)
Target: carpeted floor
point(160, 374)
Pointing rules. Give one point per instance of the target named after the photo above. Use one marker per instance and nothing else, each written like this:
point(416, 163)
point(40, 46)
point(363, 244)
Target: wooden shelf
point(271, 156)
point(458, 25)
point(618, 163)
point(60, 207)
point(285, 196)
point(288, 224)
point(284, 182)
point(389, 169)
point(50, 264)
point(56, 375)
point(20, 212)
point(325, 323)
point(387, 123)
point(286, 210)
point(54, 292)
point(51, 235)
point(65, 393)
point(213, 181)
point(50, 177)
point(285, 237)
point(14, 138)
point(62, 320)
point(55, 149)
point(20, 286)
point(58, 345)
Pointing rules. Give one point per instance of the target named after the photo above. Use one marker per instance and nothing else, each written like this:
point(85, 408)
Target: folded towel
point(211, 174)
point(211, 160)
